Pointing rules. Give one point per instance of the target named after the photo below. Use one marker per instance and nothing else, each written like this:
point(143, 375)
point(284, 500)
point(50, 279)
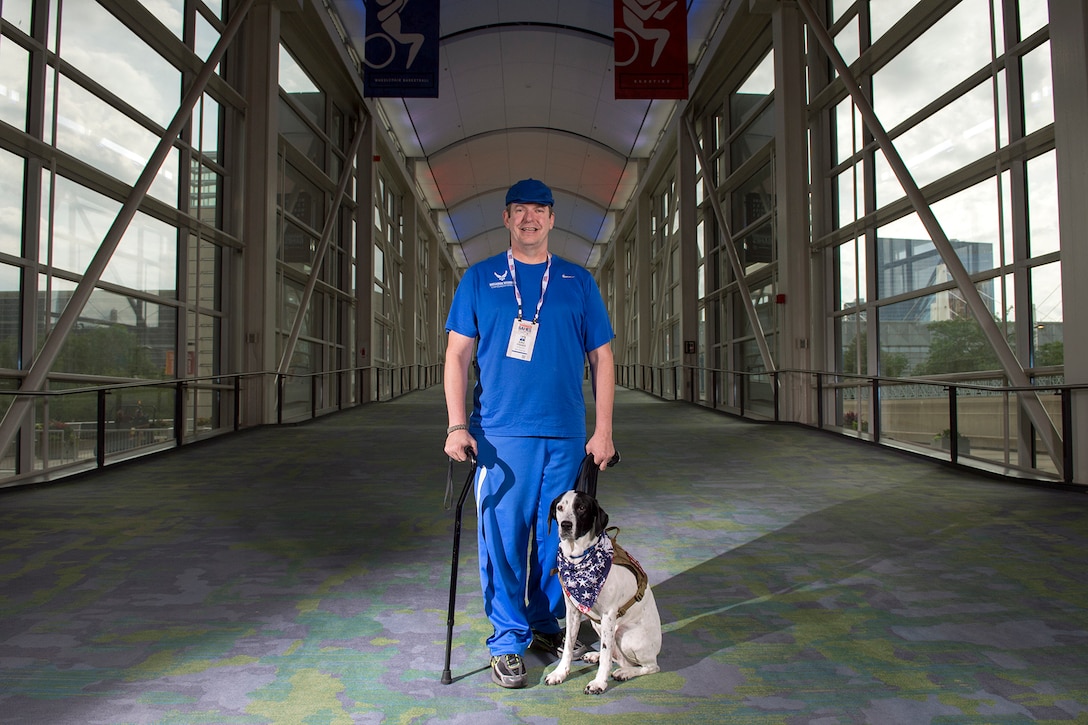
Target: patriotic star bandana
point(583, 578)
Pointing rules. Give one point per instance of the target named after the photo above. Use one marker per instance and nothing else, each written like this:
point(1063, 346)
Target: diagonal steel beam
point(731, 249)
point(38, 371)
point(322, 246)
point(1029, 401)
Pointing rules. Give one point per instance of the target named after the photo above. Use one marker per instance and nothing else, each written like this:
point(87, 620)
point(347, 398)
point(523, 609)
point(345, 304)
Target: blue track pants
point(516, 481)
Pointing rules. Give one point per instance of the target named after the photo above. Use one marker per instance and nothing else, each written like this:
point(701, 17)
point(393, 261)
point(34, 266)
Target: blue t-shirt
point(542, 396)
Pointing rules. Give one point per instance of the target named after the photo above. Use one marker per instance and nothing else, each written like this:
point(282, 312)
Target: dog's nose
point(566, 525)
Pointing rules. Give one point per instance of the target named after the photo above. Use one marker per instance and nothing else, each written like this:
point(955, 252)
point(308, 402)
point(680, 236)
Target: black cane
point(447, 676)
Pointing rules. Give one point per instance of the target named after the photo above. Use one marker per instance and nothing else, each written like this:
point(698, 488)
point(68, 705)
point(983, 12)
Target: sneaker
point(553, 643)
point(508, 671)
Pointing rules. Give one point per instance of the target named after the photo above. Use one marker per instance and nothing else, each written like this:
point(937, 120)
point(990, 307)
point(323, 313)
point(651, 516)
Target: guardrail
point(82, 428)
point(970, 421)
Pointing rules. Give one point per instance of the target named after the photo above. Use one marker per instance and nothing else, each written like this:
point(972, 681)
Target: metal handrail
point(389, 382)
point(647, 378)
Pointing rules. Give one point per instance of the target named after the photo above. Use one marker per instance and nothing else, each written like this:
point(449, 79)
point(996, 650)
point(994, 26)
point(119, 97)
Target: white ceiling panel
point(526, 90)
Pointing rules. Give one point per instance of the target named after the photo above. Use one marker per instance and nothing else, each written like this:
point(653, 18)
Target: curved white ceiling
point(526, 89)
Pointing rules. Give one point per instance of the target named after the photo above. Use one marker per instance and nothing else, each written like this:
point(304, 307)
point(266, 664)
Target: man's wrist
point(459, 426)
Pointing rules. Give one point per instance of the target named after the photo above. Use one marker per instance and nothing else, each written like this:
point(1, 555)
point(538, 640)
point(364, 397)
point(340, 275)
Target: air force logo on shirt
point(502, 280)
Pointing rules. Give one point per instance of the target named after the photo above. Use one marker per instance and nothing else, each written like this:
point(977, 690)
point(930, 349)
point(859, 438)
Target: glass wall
point(389, 267)
point(665, 281)
point(105, 92)
point(315, 137)
point(977, 138)
point(739, 139)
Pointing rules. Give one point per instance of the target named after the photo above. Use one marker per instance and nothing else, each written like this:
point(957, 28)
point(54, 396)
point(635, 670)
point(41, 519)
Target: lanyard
point(517, 292)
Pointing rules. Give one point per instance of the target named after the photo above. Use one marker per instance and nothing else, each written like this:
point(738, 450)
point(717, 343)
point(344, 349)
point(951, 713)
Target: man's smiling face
point(529, 225)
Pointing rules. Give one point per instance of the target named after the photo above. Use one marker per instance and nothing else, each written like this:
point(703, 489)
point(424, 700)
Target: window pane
point(944, 55)
point(1038, 103)
point(169, 12)
point(207, 188)
point(883, 15)
point(300, 135)
point(17, 12)
point(96, 133)
point(206, 335)
point(848, 43)
point(906, 264)
point(299, 247)
point(852, 353)
point(753, 199)
point(848, 128)
point(850, 203)
point(10, 321)
point(302, 89)
point(838, 7)
point(99, 45)
point(205, 273)
point(12, 170)
point(1033, 15)
point(117, 335)
point(953, 137)
point(216, 6)
point(851, 289)
point(757, 248)
point(757, 135)
point(933, 338)
point(758, 85)
point(14, 65)
point(302, 198)
point(145, 258)
point(1042, 205)
point(206, 120)
point(972, 221)
point(1047, 318)
point(908, 260)
point(206, 37)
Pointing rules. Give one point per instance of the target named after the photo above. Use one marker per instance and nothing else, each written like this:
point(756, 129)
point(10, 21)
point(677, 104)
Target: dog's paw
point(555, 678)
point(591, 656)
point(596, 687)
point(623, 674)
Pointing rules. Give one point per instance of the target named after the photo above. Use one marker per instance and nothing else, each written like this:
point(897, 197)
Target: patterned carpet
point(300, 575)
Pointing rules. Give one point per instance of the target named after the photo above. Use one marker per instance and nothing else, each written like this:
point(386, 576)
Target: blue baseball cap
point(530, 191)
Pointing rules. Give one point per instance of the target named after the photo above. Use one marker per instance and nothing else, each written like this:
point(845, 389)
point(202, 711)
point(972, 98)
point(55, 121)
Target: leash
point(586, 481)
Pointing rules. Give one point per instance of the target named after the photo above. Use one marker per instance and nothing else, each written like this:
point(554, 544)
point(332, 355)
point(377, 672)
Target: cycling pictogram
point(635, 15)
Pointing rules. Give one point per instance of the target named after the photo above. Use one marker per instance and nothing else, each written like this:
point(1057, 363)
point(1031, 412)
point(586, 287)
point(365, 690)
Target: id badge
point(522, 340)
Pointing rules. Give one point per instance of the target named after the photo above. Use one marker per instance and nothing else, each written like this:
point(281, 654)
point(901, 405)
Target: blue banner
point(400, 51)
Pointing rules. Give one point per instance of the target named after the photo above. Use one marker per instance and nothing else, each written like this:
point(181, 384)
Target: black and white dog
point(601, 581)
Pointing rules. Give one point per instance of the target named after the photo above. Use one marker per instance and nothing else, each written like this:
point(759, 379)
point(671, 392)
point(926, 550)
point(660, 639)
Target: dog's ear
point(551, 513)
point(602, 521)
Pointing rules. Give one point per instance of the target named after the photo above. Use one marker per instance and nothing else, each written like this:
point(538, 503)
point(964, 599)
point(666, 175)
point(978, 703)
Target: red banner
point(651, 47)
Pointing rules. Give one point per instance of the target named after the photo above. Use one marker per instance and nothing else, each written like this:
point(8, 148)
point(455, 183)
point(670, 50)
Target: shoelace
point(512, 662)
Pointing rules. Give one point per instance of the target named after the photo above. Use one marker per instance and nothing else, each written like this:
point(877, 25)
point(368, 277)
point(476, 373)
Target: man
point(534, 320)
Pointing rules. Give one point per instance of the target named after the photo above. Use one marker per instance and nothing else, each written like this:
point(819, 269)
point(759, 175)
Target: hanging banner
point(651, 47)
point(400, 51)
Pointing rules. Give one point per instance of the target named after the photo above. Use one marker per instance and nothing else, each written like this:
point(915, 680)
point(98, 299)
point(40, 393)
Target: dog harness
point(583, 578)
